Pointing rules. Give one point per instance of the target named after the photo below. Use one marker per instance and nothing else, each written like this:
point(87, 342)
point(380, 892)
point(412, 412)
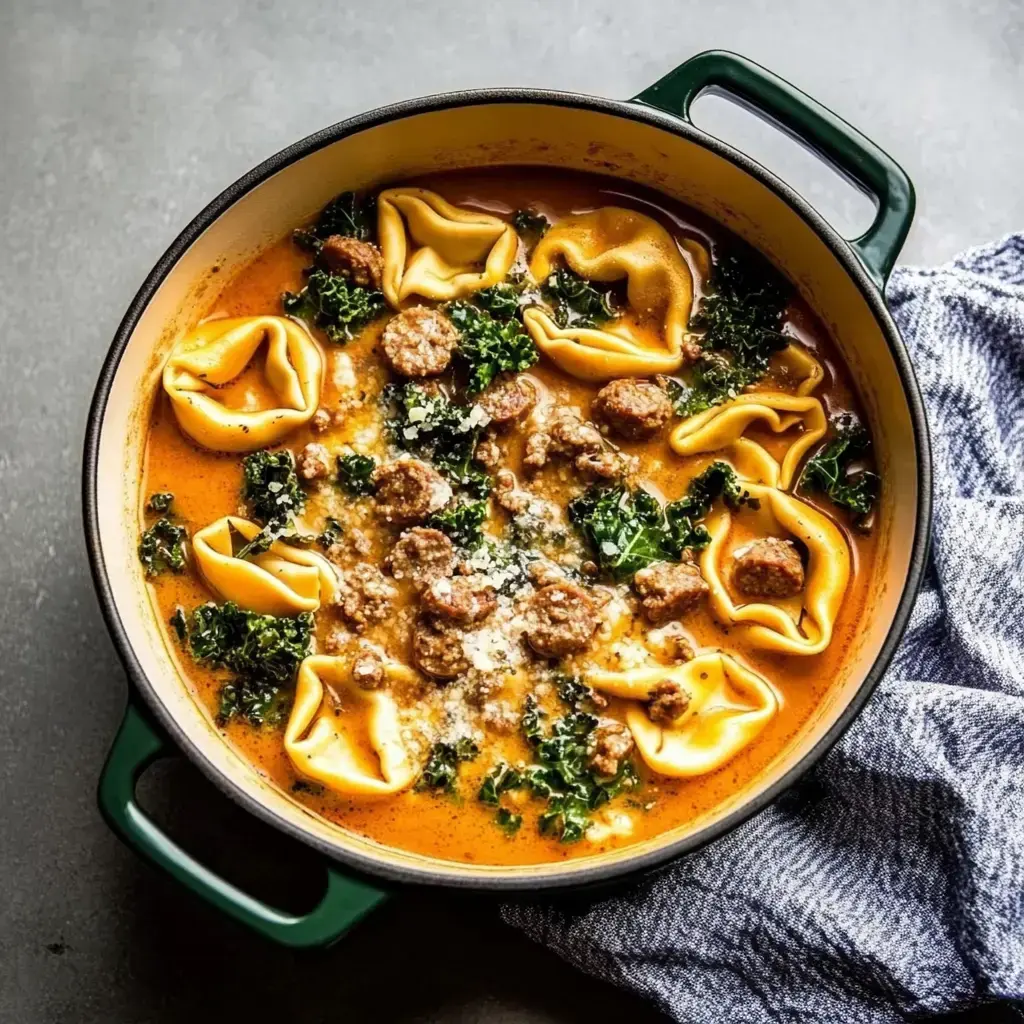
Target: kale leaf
point(500, 300)
point(828, 469)
point(271, 487)
point(331, 302)
point(331, 533)
point(530, 226)
point(462, 522)
point(576, 302)
point(742, 323)
point(442, 768)
point(355, 472)
point(160, 502)
point(350, 214)
point(162, 547)
point(508, 821)
point(489, 346)
point(179, 624)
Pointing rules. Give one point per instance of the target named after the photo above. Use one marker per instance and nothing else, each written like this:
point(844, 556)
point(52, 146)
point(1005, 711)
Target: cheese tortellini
point(795, 626)
point(608, 245)
point(438, 251)
point(728, 706)
point(349, 740)
point(215, 353)
point(284, 580)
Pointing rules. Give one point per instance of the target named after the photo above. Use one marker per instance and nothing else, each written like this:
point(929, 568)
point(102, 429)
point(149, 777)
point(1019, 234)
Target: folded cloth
point(890, 881)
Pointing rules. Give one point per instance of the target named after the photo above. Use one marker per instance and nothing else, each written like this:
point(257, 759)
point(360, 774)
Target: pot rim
point(576, 873)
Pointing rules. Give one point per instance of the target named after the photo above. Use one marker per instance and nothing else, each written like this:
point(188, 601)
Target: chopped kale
point(355, 472)
point(577, 303)
point(333, 303)
point(433, 427)
point(256, 701)
point(489, 346)
point(508, 821)
point(331, 533)
point(350, 214)
point(530, 226)
point(828, 470)
point(442, 768)
point(462, 522)
point(628, 530)
point(179, 623)
point(532, 722)
point(160, 502)
point(500, 779)
point(575, 695)
point(162, 547)
point(271, 487)
point(742, 323)
point(500, 300)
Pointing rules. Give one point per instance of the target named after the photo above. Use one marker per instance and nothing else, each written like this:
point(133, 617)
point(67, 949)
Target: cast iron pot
point(648, 140)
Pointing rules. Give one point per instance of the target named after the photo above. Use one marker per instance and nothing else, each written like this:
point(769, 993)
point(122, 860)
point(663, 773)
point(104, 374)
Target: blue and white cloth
point(890, 881)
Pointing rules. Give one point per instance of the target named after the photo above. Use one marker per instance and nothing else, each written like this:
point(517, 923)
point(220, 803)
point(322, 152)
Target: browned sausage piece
point(419, 342)
point(313, 462)
point(506, 401)
point(409, 490)
point(635, 409)
point(669, 589)
point(612, 742)
point(667, 701)
point(561, 619)
point(368, 670)
point(422, 555)
point(437, 648)
point(768, 568)
point(462, 599)
point(359, 261)
point(365, 596)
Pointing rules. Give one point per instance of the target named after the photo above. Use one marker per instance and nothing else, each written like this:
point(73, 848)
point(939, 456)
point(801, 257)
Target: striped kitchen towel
point(889, 882)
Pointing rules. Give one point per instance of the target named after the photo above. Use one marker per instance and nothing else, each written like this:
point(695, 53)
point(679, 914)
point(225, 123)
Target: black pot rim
point(579, 874)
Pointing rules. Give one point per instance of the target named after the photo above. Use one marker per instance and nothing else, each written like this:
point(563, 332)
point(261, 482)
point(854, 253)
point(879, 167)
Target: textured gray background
point(118, 121)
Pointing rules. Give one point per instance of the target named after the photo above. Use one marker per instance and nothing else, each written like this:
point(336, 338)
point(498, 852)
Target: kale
point(574, 694)
point(160, 502)
point(262, 651)
point(506, 564)
point(508, 821)
point(354, 473)
point(488, 346)
point(270, 485)
point(576, 302)
point(349, 214)
point(828, 470)
point(331, 302)
point(331, 533)
point(530, 226)
point(462, 522)
point(742, 324)
point(628, 530)
point(162, 547)
point(500, 300)
point(431, 426)
point(500, 779)
point(532, 722)
point(442, 768)
point(179, 624)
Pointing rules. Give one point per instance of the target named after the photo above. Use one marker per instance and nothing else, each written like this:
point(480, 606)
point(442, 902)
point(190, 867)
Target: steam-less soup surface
point(508, 516)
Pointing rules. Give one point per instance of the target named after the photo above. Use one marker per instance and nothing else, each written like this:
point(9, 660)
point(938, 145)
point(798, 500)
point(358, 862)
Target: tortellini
point(721, 429)
point(806, 626)
point(215, 353)
point(608, 245)
point(284, 580)
point(438, 251)
point(729, 705)
point(354, 746)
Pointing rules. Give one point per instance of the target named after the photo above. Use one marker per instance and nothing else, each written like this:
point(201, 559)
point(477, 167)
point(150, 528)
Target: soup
point(507, 517)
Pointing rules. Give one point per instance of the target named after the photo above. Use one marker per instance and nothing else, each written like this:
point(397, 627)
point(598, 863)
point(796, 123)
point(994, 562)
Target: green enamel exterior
point(137, 745)
point(811, 124)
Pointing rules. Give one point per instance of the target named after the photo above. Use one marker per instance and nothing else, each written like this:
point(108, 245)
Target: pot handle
point(772, 98)
point(137, 745)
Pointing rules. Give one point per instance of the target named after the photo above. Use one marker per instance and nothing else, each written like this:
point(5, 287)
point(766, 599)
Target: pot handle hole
point(828, 136)
point(137, 745)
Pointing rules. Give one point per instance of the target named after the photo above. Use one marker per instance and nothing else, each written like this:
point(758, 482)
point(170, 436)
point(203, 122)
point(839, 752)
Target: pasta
point(284, 580)
point(215, 353)
point(358, 751)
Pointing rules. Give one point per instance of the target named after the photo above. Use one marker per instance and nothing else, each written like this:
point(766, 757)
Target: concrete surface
point(118, 121)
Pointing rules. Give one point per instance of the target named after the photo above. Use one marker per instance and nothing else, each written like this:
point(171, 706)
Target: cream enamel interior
point(488, 134)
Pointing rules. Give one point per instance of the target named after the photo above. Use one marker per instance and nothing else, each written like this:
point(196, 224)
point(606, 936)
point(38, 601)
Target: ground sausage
point(368, 670)
point(419, 342)
point(488, 452)
point(462, 599)
point(313, 462)
point(359, 261)
point(365, 596)
point(606, 465)
point(506, 401)
point(635, 409)
point(669, 589)
point(408, 490)
point(508, 495)
point(612, 742)
point(768, 568)
point(666, 702)
point(437, 648)
point(561, 619)
point(422, 555)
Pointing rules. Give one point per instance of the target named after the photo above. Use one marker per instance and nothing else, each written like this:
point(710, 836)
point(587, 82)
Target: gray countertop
point(118, 122)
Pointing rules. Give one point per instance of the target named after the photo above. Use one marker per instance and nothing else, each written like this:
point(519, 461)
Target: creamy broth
point(207, 485)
